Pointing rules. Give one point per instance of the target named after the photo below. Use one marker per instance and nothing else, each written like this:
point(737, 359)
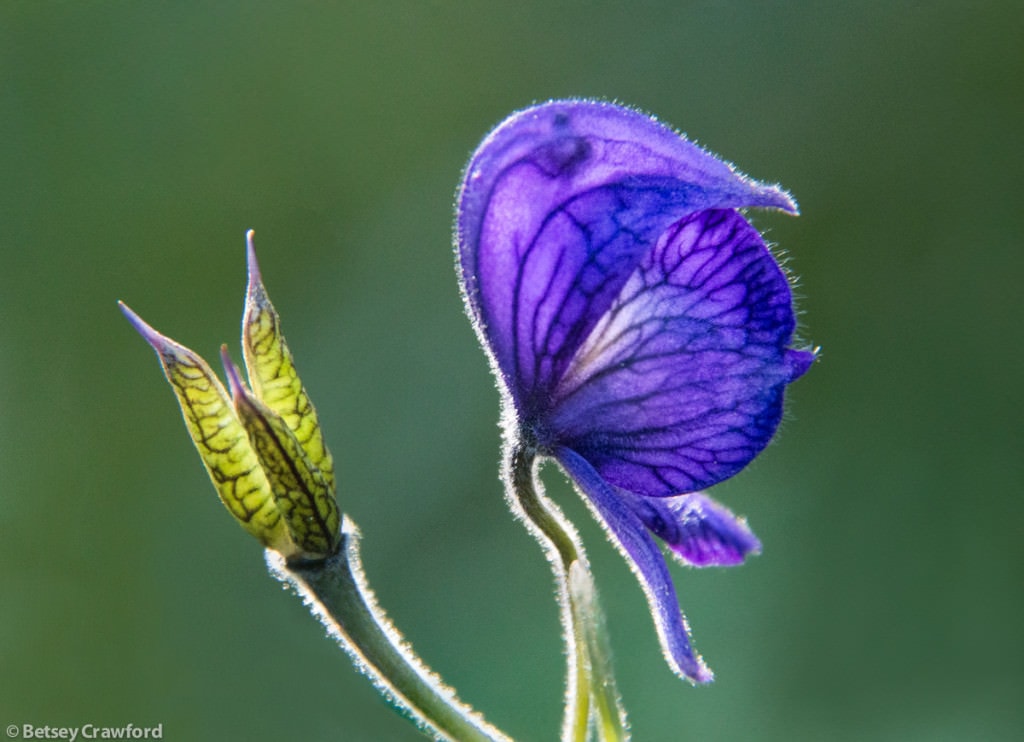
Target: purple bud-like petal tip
point(162, 344)
point(800, 362)
point(700, 531)
point(235, 384)
point(250, 258)
point(150, 335)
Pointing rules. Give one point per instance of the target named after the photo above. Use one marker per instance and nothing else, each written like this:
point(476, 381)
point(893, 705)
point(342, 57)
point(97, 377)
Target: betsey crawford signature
point(85, 731)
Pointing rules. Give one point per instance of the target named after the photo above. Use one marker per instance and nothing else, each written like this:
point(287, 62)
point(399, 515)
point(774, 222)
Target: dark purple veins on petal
point(571, 273)
point(558, 207)
point(680, 384)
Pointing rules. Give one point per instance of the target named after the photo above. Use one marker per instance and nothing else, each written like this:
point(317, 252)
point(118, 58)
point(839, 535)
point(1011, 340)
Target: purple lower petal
point(701, 532)
point(681, 383)
point(646, 561)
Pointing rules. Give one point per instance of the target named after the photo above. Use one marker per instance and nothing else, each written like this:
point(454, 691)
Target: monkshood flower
point(637, 324)
point(262, 448)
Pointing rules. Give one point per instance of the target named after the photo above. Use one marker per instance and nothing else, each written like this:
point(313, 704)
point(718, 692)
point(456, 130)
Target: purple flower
point(637, 323)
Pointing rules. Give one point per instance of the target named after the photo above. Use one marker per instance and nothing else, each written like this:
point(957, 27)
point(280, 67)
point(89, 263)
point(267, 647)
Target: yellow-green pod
point(221, 440)
point(271, 370)
point(304, 497)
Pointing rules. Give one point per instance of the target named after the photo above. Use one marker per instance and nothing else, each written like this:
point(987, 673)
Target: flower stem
point(590, 685)
point(336, 592)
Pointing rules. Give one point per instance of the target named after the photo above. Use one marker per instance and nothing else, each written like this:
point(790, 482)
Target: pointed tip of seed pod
point(234, 376)
point(250, 257)
point(150, 335)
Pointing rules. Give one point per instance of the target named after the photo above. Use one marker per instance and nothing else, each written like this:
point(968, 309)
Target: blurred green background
point(138, 142)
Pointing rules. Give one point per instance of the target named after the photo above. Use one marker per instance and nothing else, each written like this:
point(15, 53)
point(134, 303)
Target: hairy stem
point(590, 685)
point(337, 593)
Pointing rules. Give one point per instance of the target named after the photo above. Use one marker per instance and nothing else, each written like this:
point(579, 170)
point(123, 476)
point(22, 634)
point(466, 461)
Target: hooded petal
point(680, 384)
point(558, 206)
point(644, 557)
point(700, 531)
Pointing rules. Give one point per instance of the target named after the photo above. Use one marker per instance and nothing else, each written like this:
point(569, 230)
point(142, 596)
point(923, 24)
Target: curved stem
point(590, 684)
point(337, 593)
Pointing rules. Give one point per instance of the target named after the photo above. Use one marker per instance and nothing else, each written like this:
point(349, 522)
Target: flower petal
point(680, 385)
point(644, 557)
point(700, 531)
point(558, 206)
